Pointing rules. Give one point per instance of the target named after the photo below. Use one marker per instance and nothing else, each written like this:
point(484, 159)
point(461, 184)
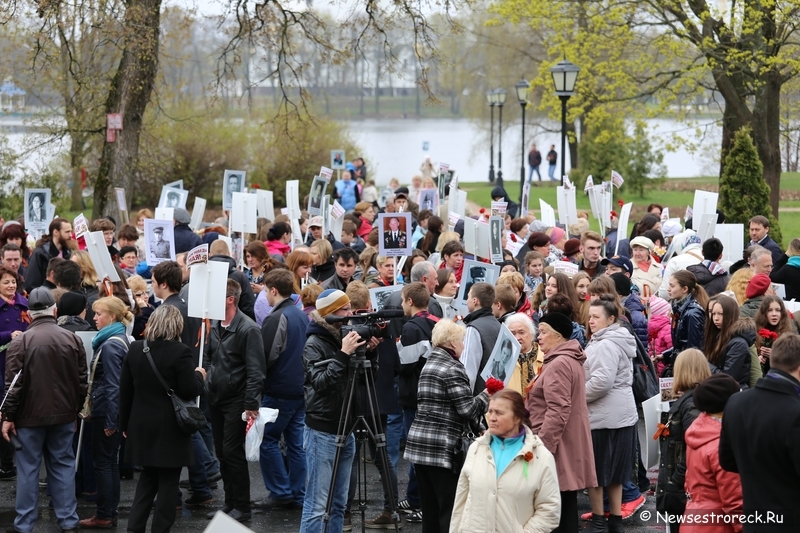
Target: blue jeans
point(551, 172)
point(531, 171)
point(412, 492)
point(395, 426)
point(212, 464)
point(198, 475)
point(106, 470)
point(54, 444)
point(283, 485)
point(320, 451)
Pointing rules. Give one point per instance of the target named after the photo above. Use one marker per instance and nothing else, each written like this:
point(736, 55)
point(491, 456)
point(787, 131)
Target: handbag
point(189, 417)
point(86, 412)
point(645, 382)
point(458, 455)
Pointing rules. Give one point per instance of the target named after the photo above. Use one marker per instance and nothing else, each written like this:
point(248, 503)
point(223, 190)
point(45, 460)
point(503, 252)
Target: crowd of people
point(566, 420)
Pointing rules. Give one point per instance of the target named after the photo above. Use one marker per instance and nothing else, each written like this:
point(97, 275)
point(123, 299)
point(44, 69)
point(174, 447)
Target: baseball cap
point(40, 299)
point(619, 260)
point(315, 222)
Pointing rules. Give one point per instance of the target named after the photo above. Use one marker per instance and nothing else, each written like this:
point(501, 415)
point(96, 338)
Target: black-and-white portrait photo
point(429, 199)
point(36, 204)
point(395, 239)
point(474, 272)
point(172, 197)
point(496, 238)
point(159, 239)
point(338, 160)
point(317, 193)
point(503, 358)
point(443, 183)
point(378, 296)
point(232, 182)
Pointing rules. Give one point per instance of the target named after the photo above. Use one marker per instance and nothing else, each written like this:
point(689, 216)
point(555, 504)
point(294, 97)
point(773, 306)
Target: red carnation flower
point(256, 186)
point(514, 237)
point(621, 202)
point(528, 456)
point(494, 385)
point(613, 214)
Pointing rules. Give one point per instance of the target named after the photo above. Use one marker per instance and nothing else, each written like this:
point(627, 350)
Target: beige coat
point(650, 278)
point(512, 503)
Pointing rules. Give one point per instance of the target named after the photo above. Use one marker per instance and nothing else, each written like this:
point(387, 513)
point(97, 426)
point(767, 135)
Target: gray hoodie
point(609, 375)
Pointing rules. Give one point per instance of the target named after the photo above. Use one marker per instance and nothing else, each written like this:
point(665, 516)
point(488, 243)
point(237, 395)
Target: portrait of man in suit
point(232, 185)
point(393, 237)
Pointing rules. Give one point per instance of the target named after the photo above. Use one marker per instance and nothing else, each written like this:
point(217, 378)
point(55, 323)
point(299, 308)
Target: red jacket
point(709, 488)
point(365, 229)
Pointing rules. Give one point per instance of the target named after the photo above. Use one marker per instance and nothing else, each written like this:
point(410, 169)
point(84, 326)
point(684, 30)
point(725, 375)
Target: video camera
point(367, 325)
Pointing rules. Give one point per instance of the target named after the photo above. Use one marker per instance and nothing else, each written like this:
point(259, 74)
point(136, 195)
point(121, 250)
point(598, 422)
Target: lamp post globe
point(565, 74)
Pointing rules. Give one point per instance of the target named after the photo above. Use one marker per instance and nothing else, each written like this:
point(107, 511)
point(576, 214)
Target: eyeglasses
point(140, 294)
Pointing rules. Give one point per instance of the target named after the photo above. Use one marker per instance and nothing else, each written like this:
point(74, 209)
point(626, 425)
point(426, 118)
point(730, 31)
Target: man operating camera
point(326, 358)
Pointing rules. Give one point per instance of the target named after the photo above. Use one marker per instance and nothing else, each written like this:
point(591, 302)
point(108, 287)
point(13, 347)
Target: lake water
point(394, 148)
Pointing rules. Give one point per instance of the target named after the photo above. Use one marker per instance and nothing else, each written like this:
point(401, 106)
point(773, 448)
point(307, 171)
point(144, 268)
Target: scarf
point(714, 267)
point(794, 261)
point(115, 328)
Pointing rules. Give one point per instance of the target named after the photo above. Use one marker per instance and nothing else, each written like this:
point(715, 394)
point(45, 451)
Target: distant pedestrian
point(552, 158)
point(534, 160)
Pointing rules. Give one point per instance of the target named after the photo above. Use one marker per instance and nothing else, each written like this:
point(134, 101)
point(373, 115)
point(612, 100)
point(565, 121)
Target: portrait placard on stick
point(429, 199)
point(207, 290)
point(98, 252)
point(504, 357)
point(496, 225)
point(394, 238)
point(173, 197)
point(197, 213)
point(567, 208)
point(159, 239)
point(338, 160)
point(378, 296)
point(705, 227)
point(266, 208)
point(458, 203)
point(317, 193)
point(122, 205)
point(177, 184)
point(474, 272)
point(526, 199)
point(233, 181)
point(243, 213)
point(482, 245)
point(36, 207)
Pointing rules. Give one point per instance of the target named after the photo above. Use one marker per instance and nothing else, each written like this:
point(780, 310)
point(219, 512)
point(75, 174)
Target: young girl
point(534, 265)
point(581, 282)
point(558, 284)
point(659, 330)
point(689, 302)
point(727, 342)
point(773, 317)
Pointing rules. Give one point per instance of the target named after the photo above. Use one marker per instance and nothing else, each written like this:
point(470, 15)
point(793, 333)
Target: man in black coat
point(185, 238)
point(760, 432)
point(759, 234)
point(219, 251)
point(55, 243)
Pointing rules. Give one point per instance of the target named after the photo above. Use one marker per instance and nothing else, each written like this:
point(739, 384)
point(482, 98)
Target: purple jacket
point(13, 317)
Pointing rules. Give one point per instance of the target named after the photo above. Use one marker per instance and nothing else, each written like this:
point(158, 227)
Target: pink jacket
point(660, 334)
point(277, 248)
point(709, 488)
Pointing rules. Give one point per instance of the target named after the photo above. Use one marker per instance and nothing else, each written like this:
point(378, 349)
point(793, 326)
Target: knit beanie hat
point(559, 322)
point(622, 283)
point(757, 286)
point(71, 304)
point(711, 395)
point(556, 234)
point(659, 306)
point(330, 301)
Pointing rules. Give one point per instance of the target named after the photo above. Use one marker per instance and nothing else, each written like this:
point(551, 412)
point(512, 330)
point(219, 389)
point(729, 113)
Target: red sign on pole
point(114, 121)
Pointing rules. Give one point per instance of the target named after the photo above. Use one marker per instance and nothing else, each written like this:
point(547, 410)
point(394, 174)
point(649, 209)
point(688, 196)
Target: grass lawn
point(676, 194)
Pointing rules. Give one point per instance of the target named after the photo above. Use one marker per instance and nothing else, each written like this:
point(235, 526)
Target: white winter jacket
point(691, 255)
point(609, 376)
point(524, 497)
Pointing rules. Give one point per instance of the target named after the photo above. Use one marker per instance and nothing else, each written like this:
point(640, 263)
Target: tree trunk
point(129, 95)
point(767, 133)
point(76, 159)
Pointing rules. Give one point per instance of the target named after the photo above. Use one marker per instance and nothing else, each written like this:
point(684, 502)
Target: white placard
point(337, 210)
point(780, 290)
point(265, 205)
point(297, 235)
point(499, 209)
point(565, 267)
point(378, 296)
point(197, 255)
point(622, 227)
point(336, 225)
point(80, 225)
point(732, 237)
point(159, 240)
point(705, 226)
point(227, 240)
point(496, 227)
point(607, 197)
point(596, 202)
point(503, 358)
point(526, 199)
point(705, 203)
point(222, 523)
point(38, 211)
point(470, 235)
point(207, 288)
point(652, 414)
point(198, 212)
point(244, 213)
point(482, 248)
point(474, 272)
point(460, 205)
point(165, 213)
point(567, 208)
point(121, 203)
point(232, 181)
point(665, 214)
point(177, 184)
point(98, 252)
point(293, 199)
point(326, 173)
point(548, 214)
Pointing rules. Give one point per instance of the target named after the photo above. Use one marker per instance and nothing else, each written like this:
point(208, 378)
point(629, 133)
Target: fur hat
point(559, 322)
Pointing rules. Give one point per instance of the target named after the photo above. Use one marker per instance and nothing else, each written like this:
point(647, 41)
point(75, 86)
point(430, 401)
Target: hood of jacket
point(318, 326)
point(744, 328)
point(703, 430)
point(703, 274)
point(632, 303)
point(225, 259)
point(571, 348)
point(500, 192)
point(619, 336)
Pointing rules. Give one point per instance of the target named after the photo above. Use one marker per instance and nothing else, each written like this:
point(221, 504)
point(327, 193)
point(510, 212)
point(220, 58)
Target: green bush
point(743, 193)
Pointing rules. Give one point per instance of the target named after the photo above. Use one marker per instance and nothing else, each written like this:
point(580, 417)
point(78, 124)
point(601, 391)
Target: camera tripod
point(366, 428)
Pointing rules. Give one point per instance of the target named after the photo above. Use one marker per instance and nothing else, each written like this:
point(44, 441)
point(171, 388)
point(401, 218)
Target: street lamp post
point(522, 95)
point(490, 97)
point(564, 76)
point(500, 95)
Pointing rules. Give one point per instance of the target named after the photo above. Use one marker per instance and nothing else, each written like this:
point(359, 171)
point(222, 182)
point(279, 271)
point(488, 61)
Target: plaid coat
point(444, 404)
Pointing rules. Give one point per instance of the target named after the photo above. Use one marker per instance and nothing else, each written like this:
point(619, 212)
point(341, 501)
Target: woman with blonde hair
point(89, 281)
point(299, 263)
point(690, 369)
point(323, 267)
point(738, 284)
point(110, 347)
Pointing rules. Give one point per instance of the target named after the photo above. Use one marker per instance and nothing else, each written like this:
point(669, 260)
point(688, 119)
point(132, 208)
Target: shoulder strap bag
point(189, 417)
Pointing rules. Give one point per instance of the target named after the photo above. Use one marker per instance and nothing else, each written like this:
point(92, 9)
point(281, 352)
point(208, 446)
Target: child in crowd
point(659, 329)
point(534, 266)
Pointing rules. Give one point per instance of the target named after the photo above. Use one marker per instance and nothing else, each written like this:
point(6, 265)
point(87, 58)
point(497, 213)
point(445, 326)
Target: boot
point(615, 524)
point(597, 524)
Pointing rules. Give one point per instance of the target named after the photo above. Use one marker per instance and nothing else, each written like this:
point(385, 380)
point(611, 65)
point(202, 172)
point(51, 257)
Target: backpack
point(645, 379)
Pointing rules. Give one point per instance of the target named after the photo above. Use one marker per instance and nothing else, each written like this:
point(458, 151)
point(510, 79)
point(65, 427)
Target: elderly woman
point(110, 346)
point(646, 271)
point(445, 407)
point(509, 480)
point(612, 409)
point(559, 416)
point(147, 418)
point(530, 360)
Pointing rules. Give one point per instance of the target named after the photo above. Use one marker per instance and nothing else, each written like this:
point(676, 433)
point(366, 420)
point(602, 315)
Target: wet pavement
point(278, 521)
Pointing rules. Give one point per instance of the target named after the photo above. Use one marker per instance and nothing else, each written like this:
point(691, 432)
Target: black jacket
point(74, 324)
point(415, 345)
point(326, 373)
point(247, 300)
point(713, 284)
point(324, 271)
point(235, 363)
point(37, 265)
point(772, 246)
point(146, 411)
point(787, 274)
point(185, 238)
point(735, 359)
point(670, 493)
point(687, 331)
point(512, 206)
point(760, 432)
point(190, 336)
